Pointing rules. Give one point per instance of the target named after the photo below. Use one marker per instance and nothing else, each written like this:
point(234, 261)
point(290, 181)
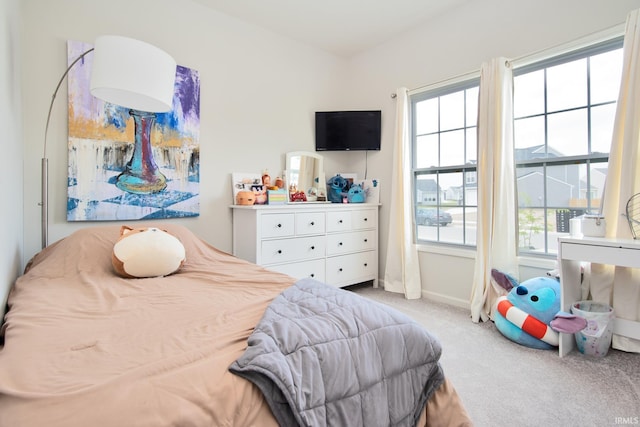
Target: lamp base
point(141, 185)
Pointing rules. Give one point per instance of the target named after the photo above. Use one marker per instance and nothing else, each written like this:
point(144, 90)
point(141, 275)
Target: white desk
point(571, 250)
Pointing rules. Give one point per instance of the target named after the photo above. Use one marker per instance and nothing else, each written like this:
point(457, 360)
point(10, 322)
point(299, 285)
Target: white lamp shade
point(132, 74)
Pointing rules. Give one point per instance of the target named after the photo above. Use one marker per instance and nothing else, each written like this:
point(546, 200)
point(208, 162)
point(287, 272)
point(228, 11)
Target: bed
point(83, 346)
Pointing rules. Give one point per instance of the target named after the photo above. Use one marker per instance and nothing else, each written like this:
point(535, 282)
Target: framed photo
point(243, 181)
point(371, 189)
point(350, 177)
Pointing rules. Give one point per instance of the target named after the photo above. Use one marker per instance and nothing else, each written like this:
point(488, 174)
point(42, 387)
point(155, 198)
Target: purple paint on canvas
point(185, 115)
point(85, 105)
point(184, 118)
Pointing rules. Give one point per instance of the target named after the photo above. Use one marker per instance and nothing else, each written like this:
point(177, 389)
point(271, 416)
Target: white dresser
point(332, 242)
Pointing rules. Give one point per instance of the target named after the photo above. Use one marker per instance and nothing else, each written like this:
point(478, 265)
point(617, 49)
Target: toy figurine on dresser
point(337, 189)
point(245, 197)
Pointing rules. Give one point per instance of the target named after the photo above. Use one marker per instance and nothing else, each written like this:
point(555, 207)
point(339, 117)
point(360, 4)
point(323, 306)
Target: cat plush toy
point(530, 314)
point(146, 252)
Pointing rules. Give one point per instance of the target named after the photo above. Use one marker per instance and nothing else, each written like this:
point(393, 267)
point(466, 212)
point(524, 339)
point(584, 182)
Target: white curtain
point(402, 272)
point(496, 221)
point(623, 180)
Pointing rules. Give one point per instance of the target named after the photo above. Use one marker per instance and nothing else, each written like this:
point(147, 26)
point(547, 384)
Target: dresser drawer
point(278, 225)
point(288, 250)
point(309, 223)
point(353, 268)
point(362, 219)
point(338, 221)
point(312, 269)
point(356, 241)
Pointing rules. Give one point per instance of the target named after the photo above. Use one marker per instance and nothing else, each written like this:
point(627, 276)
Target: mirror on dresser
point(305, 172)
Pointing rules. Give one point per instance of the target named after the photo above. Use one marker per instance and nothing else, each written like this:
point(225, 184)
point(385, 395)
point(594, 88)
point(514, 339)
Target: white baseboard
point(433, 296)
point(445, 299)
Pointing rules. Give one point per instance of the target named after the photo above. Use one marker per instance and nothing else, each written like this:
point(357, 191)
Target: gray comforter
point(325, 356)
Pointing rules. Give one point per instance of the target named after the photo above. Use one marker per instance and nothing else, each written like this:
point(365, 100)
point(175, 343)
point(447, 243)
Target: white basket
point(593, 225)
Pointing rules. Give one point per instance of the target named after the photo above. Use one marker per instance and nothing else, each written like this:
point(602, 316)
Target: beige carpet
point(505, 384)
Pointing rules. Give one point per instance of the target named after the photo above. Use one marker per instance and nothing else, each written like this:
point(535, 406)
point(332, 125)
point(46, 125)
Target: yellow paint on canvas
point(93, 129)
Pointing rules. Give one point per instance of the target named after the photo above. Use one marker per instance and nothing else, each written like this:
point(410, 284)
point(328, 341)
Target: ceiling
point(342, 27)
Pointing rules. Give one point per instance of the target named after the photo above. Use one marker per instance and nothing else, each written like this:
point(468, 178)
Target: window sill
point(459, 252)
point(548, 263)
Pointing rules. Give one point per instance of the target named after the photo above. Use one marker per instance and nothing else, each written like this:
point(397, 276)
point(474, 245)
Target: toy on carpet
point(530, 314)
point(146, 252)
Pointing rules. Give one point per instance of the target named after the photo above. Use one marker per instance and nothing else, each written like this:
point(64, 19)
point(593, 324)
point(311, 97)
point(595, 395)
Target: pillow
point(147, 252)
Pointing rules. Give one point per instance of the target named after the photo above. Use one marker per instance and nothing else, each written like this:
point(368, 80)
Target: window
point(444, 163)
point(564, 110)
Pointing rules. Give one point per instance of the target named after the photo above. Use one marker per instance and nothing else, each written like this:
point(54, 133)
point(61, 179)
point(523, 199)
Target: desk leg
point(570, 292)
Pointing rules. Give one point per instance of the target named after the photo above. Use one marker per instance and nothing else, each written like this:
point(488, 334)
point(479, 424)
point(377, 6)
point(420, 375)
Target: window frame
point(589, 159)
point(466, 82)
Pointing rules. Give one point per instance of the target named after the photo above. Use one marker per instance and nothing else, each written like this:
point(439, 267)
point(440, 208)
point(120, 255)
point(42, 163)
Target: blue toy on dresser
point(355, 194)
point(337, 188)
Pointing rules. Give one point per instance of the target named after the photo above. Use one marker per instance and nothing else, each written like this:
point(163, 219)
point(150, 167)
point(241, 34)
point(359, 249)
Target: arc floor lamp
point(135, 75)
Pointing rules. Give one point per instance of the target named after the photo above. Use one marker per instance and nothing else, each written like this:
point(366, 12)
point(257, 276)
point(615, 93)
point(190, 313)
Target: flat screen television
point(348, 130)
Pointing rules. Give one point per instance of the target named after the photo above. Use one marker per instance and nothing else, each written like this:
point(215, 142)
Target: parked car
point(433, 216)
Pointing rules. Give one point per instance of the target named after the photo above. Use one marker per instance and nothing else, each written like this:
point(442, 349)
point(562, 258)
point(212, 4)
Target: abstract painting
point(101, 137)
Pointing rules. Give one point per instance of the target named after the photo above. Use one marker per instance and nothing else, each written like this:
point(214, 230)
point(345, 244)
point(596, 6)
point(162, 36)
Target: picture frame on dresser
point(243, 181)
point(371, 188)
point(352, 178)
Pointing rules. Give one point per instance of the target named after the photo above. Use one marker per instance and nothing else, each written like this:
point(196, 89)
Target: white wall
point(451, 45)
point(11, 172)
point(259, 92)
point(258, 95)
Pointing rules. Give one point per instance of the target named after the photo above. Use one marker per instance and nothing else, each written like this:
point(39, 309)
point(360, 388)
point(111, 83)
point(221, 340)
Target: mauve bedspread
point(81, 346)
point(84, 347)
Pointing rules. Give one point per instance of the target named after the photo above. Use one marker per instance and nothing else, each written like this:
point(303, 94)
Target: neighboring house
point(454, 193)
point(428, 191)
point(469, 190)
point(566, 184)
point(530, 190)
point(598, 179)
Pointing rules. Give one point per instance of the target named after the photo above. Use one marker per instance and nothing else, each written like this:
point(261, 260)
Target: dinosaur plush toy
point(530, 314)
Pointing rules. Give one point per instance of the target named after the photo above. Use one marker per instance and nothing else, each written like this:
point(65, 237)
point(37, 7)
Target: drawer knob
point(312, 275)
point(340, 222)
point(365, 220)
point(313, 247)
point(279, 251)
point(279, 225)
point(365, 264)
point(366, 240)
point(313, 223)
point(340, 269)
point(340, 244)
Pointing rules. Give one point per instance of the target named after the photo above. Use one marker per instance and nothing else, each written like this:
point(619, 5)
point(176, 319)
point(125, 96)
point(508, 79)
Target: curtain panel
point(496, 219)
point(402, 272)
point(620, 286)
